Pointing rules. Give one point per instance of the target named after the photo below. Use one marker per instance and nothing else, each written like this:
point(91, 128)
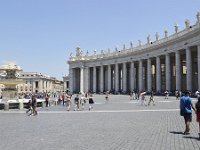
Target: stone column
point(198, 61)
point(168, 72)
point(71, 80)
point(82, 79)
point(124, 78)
point(86, 79)
point(149, 75)
point(116, 78)
point(109, 77)
point(178, 70)
point(94, 79)
point(140, 75)
point(101, 79)
point(132, 76)
point(189, 69)
point(158, 74)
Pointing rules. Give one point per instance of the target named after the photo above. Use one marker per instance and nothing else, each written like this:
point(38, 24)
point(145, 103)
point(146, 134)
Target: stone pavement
point(120, 124)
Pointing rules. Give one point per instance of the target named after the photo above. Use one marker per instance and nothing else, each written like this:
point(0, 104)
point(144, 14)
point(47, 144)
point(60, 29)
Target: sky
point(39, 35)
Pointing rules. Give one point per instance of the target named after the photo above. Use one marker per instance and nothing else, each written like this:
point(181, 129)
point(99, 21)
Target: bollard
point(21, 106)
point(6, 106)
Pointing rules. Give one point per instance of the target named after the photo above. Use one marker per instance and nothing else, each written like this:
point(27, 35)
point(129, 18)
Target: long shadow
point(191, 137)
point(175, 132)
point(186, 136)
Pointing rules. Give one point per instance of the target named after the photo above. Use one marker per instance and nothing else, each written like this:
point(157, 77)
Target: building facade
point(171, 63)
point(38, 83)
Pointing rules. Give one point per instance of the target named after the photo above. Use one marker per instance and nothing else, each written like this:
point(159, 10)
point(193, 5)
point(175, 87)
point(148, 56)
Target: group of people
point(79, 101)
point(136, 95)
point(186, 107)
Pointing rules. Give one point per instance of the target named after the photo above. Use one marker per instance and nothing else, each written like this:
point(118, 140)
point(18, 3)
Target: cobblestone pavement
point(120, 124)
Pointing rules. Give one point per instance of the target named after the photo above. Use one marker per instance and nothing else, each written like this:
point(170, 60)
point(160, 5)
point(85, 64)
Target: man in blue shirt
point(186, 106)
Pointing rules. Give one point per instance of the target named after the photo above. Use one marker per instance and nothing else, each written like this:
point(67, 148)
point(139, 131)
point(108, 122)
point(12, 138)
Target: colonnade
point(171, 70)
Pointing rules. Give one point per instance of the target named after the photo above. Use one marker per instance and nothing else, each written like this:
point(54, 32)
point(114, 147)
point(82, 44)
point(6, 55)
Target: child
point(198, 113)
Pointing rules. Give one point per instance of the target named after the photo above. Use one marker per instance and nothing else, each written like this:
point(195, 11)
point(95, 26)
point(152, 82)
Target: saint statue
point(78, 52)
point(124, 47)
point(95, 51)
point(187, 24)
point(131, 44)
point(139, 43)
point(157, 36)
point(149, 39)
point(198, 17)
point(166, 33)
point(176, 28)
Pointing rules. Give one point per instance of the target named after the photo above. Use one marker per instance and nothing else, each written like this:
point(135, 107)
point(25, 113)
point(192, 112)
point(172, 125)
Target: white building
point(170, 63)
point(38, 83)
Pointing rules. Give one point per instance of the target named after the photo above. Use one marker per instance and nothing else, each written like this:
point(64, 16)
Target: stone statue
point(116, 49)
point(157, 36)
point(70, 55)
point(166, 33)
point(95, 51)
point(87, 53)
point(176, 28)
point(78, 52)
point(149, 39)
point(198, 17)
point(131, 44)
point(139, 43)
point(187, 24)
point(124, 47)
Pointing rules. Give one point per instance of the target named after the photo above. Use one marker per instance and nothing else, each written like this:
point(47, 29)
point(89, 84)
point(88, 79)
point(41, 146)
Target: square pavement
point(119, 124)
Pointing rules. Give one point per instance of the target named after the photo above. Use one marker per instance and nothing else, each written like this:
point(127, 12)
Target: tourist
point(33, 105)
point(166, 94)
point(197, 94)
point(107, 97)
point(151, 99)
point(186, 111)
point(142, 96)
point(76, 103)
point(177, 94)
point(63, 99)
point(91, 102)
point(68, 102)
point(47, 100)
point(82, 101)
point(197, 106)
point(29, 107)
point(131, 95)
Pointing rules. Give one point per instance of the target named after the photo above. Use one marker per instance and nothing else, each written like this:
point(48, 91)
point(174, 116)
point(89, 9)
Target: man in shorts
point(186, 107)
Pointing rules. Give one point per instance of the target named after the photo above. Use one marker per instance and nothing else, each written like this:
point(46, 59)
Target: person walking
point(151, 99)
point(91, 102)
point(68, 102)
point(29, 107)
point(186, 107)
point(47, 100)
point(76, 103)
point(107, 97)
point(197, 106)
point(34, 105)
point(143, 99)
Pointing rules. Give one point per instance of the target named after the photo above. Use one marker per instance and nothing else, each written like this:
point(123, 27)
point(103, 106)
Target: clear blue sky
point(39, 35)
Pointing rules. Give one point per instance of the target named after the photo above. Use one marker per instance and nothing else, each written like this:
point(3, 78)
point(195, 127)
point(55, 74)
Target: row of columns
point(168, 80)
